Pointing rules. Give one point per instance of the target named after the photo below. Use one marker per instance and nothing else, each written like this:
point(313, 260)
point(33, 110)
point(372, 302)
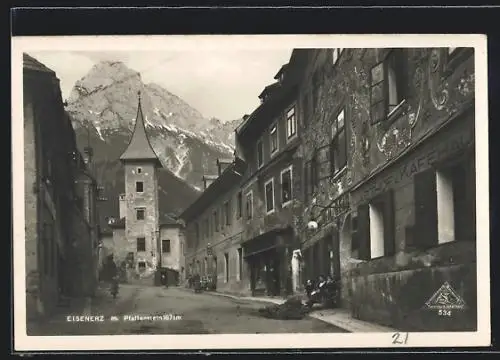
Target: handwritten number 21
point(400, 339)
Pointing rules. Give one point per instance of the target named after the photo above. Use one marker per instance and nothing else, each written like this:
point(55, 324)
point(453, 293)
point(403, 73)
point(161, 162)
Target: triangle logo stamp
point(445, 299)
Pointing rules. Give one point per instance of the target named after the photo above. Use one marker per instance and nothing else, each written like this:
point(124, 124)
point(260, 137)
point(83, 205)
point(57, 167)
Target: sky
point(219, 83)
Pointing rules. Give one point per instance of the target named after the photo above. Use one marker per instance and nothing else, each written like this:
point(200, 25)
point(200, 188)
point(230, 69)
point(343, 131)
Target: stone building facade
point(268, 141)
point(60, 199)
point(389, 211)
point(214, 224)
point(140, 202)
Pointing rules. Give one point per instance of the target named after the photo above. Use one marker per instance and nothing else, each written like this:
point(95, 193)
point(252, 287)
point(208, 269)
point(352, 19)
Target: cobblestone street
point(185, 313)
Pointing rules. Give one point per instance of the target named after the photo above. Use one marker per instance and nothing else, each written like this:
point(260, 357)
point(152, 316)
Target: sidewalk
point(337, 317)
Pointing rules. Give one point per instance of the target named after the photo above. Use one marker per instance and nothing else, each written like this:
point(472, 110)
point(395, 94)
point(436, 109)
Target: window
point(227, 213)
point(375, 235)
point(444, 205)
point(274, 138)
point(338, 145)
point(249, 205)
point(165, 246)
point(140, 213)
point(291, 123)
point(240, 263)
point(260, 154)
point(139, 170)
point(286, 186)
point(139, 186)
point(336, 54)
point(269, 192)
point(226, 267)
point(388, 85)
point(216, 221)
point(207, 228)
point(239, 205)
point(141, 244)
point(142, 265)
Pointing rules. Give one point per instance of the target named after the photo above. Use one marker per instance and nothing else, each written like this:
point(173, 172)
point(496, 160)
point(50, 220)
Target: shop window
point(444, 205)
point(226, 267)
point(376, 227)
point(165, 246)
point(291, 123)
point(141, 244)
point(139, 186)
point(338, 144)
point(140, 213)
point(273, 137)
point(286, 186)
point(249, 205)
point(239, 205)
point(269, 193)
point(260, 154)
point(388, 85)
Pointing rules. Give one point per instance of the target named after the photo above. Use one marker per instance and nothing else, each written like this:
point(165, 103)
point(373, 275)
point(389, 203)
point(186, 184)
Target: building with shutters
point(390, 180)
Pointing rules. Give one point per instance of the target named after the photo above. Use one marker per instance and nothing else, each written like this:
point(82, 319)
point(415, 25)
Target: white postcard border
point(23, 342)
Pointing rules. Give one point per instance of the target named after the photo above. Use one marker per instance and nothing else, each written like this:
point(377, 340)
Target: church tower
point(141, 197)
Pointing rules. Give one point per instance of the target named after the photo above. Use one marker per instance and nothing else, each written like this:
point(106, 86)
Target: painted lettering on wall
point(418, 164)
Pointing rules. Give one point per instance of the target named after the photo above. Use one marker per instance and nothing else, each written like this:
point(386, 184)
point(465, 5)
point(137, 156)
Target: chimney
point(222, 164)
point(123, 206)
point(207, 180)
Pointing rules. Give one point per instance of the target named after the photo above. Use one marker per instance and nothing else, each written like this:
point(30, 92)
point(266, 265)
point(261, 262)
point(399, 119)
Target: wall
point(226, 240)
point(149, 200)
point(121, 246)
point(171, 260)
point(33, 301)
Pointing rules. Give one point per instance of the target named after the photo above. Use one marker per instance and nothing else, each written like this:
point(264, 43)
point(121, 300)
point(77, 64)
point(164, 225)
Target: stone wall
point(33, 301)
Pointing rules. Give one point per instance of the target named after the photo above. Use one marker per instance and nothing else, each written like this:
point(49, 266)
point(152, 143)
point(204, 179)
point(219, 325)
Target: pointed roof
point(139, 147)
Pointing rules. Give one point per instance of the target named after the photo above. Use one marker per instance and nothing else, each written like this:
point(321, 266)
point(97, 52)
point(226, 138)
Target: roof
point(30, 63)
point(269, 89)
point(229, 178)
point(167, 220)
point(281, 71)
point(139, 147)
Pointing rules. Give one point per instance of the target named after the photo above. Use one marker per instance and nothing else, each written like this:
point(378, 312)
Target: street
point(176, 311)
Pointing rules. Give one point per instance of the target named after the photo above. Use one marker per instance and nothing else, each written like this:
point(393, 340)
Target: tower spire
point(139, 147)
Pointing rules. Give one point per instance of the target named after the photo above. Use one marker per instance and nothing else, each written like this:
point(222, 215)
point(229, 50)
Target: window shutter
point(363, 233)
point(425, 209)
point(378, 97)
point(323, 162)
point(389, 224)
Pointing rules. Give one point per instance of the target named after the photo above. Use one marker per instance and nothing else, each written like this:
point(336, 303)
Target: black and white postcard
point(239, 192)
